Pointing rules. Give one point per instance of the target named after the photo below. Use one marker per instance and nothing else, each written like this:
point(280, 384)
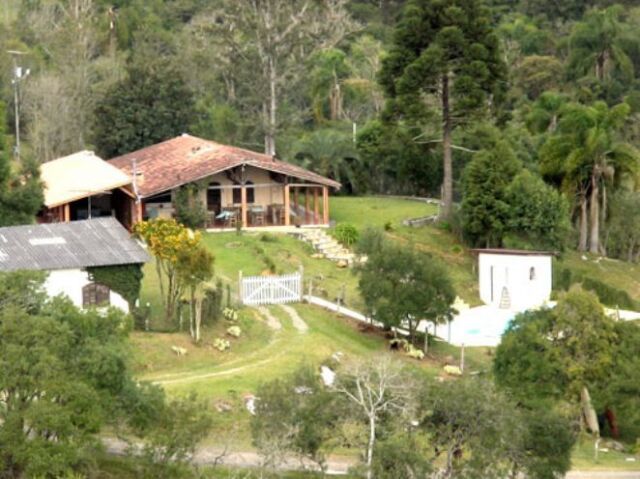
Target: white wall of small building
point(69, 282)
point(513, 272)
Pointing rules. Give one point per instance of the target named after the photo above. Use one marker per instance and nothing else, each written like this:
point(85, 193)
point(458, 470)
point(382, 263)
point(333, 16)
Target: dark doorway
point(214, 198)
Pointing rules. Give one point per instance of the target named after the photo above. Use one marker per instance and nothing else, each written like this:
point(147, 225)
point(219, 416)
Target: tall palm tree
point(585, 155)
point(543, 116)
point(331, 153)
point(596, 44)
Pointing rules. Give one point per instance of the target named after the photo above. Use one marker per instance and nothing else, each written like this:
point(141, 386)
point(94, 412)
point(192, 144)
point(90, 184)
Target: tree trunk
point(447, 183)
point(192, 315)
point(198, 316)
point(594, 205)
point(426, 339)
point(271, 113)
point(370, 445)
point(582, 244)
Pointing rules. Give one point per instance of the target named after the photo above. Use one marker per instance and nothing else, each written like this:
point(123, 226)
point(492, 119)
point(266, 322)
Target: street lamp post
point(19, 74)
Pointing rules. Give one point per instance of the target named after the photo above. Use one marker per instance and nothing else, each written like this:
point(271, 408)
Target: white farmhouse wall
point(498, 272)
point(69, 282)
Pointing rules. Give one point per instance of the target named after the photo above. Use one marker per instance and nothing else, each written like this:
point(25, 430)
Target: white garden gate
point(261, 290)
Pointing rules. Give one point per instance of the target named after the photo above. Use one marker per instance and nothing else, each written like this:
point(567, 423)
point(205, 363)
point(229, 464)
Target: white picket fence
point(261, 290)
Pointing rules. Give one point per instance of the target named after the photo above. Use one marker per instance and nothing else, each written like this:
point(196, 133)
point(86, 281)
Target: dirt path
point(296, 320)
point(271, 320)
point(337, 465)
point(226, 369)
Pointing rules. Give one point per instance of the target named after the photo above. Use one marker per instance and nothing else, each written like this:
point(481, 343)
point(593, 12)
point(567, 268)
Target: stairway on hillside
point(327, 246)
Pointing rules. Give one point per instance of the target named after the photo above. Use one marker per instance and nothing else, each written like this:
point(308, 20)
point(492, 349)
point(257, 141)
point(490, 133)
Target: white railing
point(261, 290)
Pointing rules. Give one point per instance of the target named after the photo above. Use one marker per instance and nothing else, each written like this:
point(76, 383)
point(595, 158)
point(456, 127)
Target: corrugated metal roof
point(184, 159)
point(79, 244)
point(78, 176)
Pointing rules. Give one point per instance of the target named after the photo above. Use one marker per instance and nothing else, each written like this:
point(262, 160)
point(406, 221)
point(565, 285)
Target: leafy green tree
point(295, 415)
point(598, 45)
point(448, 49)
point(49, 414)
point(552, 10)
point(537, 73)
point(584, 155)
point(538, 214)
point(168, 241)
point(395, 164)
point(189, 208)
point(151, 104)
point(401, 287)
point(523, 37)
point(544, 113)
point(620, 394)
point(622, 238)
point(476, 431)
point(195, 271)
point(401, 456)
point(485, 211)
point(21, 194)
point(556, 354)
point(170, 442)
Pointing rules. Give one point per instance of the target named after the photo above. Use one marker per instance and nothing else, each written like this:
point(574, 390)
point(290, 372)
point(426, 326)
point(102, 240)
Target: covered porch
point(296, 204)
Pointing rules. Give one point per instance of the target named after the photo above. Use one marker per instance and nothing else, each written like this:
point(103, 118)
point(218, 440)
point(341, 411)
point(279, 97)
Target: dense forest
point(521, 112)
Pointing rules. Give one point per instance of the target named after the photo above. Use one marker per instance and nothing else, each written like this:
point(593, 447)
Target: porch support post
point(67, 213)
point(296, 192)
point(287, 213)
point(306, 205)
point(316, 215)
point(243, 205)
point(325, 205)
point(137, 207)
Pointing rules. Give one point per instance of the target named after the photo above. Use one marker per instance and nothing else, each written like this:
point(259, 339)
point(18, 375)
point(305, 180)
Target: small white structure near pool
point(510, 281)
point(514, 279)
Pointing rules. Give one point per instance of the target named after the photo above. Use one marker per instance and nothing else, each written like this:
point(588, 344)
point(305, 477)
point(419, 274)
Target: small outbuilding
point(68, 252)
point(84, 186)
point(514, 279)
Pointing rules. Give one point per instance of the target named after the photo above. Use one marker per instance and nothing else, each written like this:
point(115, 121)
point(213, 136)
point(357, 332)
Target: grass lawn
point(262, 354)
point(584, 458)
point(377, 212)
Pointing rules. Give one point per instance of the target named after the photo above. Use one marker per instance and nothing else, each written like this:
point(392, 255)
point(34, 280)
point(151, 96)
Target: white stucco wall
point(513, 273)
point(70, 282)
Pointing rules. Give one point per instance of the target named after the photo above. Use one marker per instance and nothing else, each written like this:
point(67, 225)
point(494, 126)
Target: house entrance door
point(214, 198)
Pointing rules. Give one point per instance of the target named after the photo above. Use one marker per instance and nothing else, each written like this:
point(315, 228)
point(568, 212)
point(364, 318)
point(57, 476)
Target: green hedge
point(608, 295)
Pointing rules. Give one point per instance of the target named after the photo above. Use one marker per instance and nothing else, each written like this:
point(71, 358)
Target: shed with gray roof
point(66, 250)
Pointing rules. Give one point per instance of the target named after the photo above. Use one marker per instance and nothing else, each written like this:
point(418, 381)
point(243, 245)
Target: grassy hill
point(263, 353)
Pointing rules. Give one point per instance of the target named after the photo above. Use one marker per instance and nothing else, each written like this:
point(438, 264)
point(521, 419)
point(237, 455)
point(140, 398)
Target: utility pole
point(18, 75)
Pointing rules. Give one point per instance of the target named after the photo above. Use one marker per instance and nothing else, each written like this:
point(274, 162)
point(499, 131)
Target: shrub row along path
point(275, 349)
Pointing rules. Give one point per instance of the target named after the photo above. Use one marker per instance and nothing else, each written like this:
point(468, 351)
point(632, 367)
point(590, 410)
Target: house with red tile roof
point(238, 187)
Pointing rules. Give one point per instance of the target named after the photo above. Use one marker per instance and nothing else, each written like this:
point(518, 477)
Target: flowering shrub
point(230, 314)
point(234, 331)
point(221, 344)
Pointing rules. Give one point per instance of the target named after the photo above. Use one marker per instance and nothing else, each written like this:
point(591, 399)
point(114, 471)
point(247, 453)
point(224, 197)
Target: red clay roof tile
point(187, 158)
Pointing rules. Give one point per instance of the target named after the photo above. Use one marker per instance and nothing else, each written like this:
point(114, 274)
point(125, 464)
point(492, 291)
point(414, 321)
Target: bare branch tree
point(272, 40)
point(374, 388)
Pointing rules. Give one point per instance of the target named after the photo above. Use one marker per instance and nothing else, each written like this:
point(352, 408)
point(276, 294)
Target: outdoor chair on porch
point(256, 215)
point(228, 217)
point(276, 214)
